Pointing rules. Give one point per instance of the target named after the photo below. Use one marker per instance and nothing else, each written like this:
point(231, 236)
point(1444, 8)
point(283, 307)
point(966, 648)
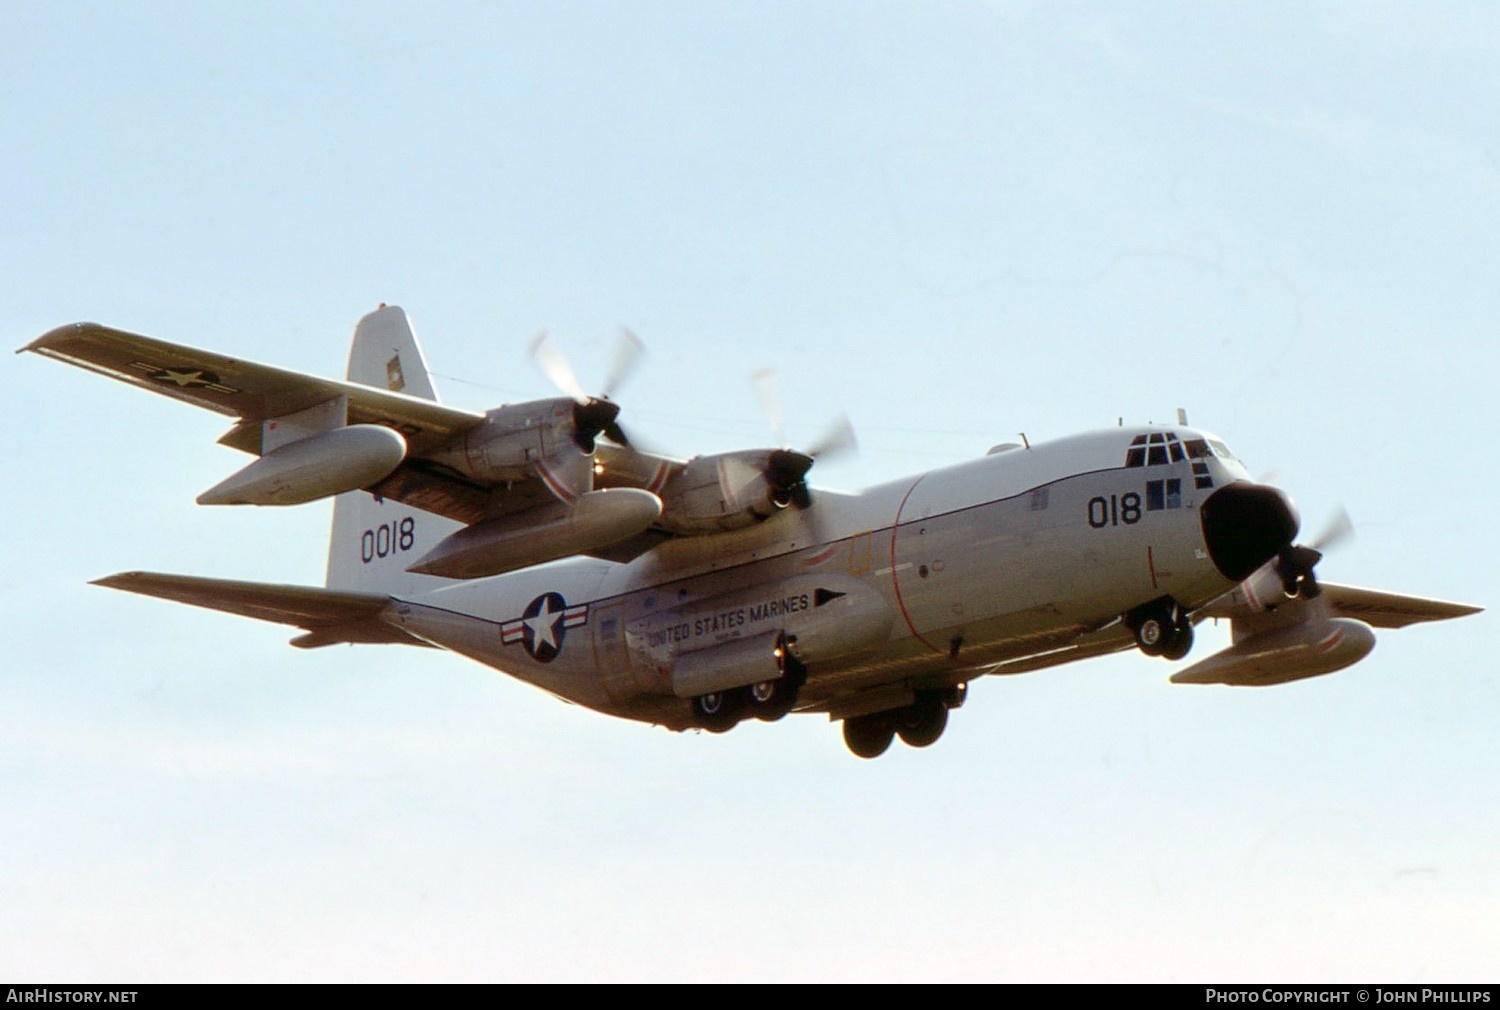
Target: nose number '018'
point(1114, 510)
point(387, 539)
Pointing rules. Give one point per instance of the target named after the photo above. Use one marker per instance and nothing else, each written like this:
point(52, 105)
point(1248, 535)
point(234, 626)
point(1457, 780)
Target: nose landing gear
point(1161, 628)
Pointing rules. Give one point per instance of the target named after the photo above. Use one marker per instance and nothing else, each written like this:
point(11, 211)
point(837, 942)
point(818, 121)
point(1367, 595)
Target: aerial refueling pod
point(1279, 655)
point(318, 466)
point(544, 533)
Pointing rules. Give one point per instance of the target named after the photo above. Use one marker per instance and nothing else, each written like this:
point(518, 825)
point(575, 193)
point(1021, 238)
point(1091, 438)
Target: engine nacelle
point(511, 442)
point(321, 465)
point(729, 491)
point(1278, 655)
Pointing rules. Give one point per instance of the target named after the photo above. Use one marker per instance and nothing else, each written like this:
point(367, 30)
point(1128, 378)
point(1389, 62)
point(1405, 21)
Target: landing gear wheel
point(772, 699)
point(719, 711)
point(868, 736)
point(923, 721)
point(1153, 632)
point(1182, 639)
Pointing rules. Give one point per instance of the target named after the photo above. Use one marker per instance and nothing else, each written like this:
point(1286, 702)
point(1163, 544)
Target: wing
point(251, 392)
point(1390, 610)
point(1279, 639)
point(329, 616)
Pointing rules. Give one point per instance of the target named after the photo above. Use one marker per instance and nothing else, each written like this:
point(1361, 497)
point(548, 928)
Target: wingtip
point(53, 335)
point(119, 580)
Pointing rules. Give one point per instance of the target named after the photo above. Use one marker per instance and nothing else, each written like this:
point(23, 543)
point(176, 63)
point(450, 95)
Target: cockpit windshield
point(1159, 448)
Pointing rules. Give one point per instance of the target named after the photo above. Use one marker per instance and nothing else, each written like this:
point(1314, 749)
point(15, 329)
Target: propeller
point(1296, 562)
point(786, 468)
point(593, 415)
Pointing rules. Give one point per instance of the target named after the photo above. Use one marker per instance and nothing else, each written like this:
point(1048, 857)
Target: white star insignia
point(544, 625)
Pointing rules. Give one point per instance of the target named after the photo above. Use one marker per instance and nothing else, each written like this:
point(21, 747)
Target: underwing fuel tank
point(545, 533)
point(316, 467)
point(731, 640)
point(1279, 655)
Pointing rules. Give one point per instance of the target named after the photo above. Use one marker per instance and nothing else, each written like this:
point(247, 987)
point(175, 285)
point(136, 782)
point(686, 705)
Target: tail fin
point(375, 539)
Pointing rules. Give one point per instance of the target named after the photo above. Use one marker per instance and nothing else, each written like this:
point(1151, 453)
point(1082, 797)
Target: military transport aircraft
point(535, 539)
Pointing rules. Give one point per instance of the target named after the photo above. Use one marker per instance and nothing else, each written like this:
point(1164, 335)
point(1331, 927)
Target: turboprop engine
point(552, 437)
point(733, 490)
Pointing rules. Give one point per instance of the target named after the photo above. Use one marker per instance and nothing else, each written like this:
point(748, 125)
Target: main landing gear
point(1162, 628)
point(768, 700)
point(918, 724)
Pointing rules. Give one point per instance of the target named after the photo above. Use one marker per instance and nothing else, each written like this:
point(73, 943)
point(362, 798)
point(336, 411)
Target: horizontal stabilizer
point(329, 616)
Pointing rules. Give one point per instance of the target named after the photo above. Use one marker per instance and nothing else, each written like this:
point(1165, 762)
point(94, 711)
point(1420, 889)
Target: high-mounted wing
point(531, 481)
point(252, 392)
point(1390, 610)
point(520, 477)
point(1324, 628)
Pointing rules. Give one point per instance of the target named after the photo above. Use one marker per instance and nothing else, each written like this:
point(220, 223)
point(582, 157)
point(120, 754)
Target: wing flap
point(243, 389)
point(329, 616)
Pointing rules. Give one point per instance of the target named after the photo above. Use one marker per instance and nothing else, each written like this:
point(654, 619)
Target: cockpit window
point(1221, 450)
point(1156, 449)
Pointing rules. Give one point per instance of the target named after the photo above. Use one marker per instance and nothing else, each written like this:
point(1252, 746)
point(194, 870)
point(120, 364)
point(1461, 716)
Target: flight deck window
point(1158, 449)
point(1221, 450)
point(1163, 494)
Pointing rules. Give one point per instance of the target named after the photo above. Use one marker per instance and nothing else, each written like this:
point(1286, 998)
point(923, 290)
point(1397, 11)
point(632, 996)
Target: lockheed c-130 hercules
point(535, 539)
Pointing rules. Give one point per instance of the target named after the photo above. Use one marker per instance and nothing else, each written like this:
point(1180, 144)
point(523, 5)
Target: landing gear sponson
point(768, 700)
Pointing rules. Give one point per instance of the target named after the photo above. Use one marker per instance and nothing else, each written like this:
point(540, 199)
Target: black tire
point(772, 699)
point(720, 711)
point(923, 722)
point(1182, 640)
point(868, 736)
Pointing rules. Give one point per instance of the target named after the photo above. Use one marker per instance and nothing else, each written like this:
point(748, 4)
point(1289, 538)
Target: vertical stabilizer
point(375, 539)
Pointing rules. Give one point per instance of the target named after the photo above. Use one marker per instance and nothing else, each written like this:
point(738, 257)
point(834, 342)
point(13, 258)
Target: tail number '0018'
point(387, 539)
point(1114, 510)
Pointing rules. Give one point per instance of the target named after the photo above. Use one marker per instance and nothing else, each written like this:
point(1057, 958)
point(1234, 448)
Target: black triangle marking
point(822, 596)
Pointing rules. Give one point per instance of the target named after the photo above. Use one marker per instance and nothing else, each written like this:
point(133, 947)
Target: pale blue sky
point(953, 221)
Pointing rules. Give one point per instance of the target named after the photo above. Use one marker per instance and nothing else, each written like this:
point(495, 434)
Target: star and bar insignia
point(542, 626)
point(182, 378)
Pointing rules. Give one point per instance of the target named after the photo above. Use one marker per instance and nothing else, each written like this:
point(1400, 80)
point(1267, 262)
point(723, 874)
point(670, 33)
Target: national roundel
point(543, 625)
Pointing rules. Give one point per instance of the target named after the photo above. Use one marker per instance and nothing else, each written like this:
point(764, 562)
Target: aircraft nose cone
point(1245, 525)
